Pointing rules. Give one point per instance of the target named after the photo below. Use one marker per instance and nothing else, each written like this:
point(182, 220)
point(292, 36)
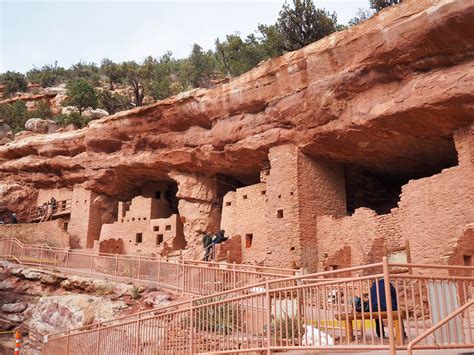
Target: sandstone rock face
point(6, 134)
point(367, 96)
point(38, 125)
point(41, 302)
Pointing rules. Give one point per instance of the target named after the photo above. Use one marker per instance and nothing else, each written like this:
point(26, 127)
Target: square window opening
point(264, 192)
point(248, 240)
point(280, 214)
point(158, 195)
point(156, 228)
point(139, 238)
point(168, 227)
point(245, 197)
point(228, 203)
point(159, 239)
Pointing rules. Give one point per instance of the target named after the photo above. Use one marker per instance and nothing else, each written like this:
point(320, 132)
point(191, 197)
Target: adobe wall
point(155, 234)
point(281, 213)
point(85, 222)
point(431, 214)
point(50, 232)
point(244, 217)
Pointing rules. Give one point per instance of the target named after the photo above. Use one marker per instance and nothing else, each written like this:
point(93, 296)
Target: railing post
point(11, 247)
point(268, 316)
point(137, 349)
point(388, 301)
point(191, 330)
point(234, 276)
point(98, 340)
point(67, 343)
point(92, 261)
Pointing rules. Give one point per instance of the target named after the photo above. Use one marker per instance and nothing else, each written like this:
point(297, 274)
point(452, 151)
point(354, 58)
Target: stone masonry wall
point(50, 232)
point(432, 214)
point(244, 216)
point(84, 225)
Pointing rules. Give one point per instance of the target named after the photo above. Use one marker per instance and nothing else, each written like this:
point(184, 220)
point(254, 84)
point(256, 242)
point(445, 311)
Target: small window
point(65, 226)
point(244, 197)
point(122, 220)
point(228, 203)
point(158, 195)
point(139, 219)
point(248, 240)
point(291, 193)
point(133, 219)
point(156, 228)
point(280, 214)
point(467, 260)
point(144, 218)
point(139, 238)
point(279, 196)
point(85, 201)
point(168, 227)
point(264, 192)
point(159, 239)
point(292, 248)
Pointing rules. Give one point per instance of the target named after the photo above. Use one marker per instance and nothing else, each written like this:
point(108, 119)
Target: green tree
point(272, 40)
point(13, 82)
point(112, 71)
point(378, 5)
point(135, 76)
point(80, 94)
point(113, 102)
point(237, 56)
point(86, 71)
point(15, 115)
point(160, 84)
point(303, 23)
point(361, 16)
point(47, 75)
point(200, 67)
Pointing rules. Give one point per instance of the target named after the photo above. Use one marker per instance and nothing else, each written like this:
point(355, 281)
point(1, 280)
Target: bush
point(13, 82)
point(113, 102)
point(74, 118)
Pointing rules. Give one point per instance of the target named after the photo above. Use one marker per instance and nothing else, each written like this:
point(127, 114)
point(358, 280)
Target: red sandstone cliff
point(387, 94)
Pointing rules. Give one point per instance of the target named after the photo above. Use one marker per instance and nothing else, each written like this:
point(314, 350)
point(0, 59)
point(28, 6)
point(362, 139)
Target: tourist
point(207, 244)
point(53, 205)
point(14, 220)
point(379, 328)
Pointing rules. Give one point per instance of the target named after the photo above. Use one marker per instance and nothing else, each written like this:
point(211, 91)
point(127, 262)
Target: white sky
point(34, 33)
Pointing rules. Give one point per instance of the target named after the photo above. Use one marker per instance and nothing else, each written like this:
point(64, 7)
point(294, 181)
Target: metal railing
point(49, 210)
point(194, 278)
point(438, 326)
point(347, 309)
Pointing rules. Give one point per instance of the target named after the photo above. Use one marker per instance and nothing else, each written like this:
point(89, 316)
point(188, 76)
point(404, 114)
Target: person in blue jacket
point(382, 305)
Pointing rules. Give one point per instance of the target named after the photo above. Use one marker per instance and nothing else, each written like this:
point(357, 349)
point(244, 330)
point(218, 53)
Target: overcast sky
point(34, 33)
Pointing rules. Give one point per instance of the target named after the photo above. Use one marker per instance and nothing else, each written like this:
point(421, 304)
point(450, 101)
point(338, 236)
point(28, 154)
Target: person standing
point(14, 220)
point(207, 243)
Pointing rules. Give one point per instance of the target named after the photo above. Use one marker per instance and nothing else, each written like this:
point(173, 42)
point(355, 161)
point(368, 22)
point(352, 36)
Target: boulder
point(6, 285)
point(157, 299)
point(38, 125)
point(14, 307)
point(95, 114)
point(58, 90)
point(57, 313)
point(6, 134)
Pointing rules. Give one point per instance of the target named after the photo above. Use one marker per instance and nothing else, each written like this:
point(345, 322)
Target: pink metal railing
point(306, 312)
point(193, 278)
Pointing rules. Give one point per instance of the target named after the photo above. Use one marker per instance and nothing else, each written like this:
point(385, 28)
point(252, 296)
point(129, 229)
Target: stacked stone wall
point(51, 233)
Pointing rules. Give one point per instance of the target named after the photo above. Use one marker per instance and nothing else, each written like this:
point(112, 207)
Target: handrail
point(438, 325)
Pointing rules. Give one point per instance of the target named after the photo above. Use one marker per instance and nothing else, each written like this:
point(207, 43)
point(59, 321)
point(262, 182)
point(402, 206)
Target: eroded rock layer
point(386, 94)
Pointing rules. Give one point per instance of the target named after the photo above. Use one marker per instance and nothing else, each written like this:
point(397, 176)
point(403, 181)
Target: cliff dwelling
point(318, 159)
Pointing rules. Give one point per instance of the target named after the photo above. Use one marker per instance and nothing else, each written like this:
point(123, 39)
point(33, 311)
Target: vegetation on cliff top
point(118, 86)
